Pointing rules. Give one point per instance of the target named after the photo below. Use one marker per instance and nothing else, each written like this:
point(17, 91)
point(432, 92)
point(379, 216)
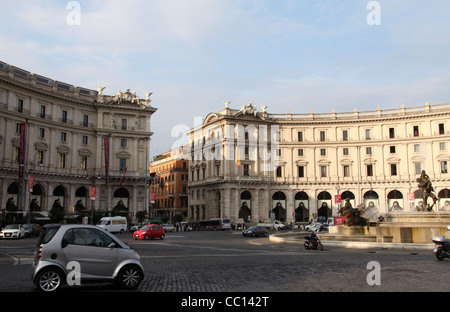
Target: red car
point(150, 231)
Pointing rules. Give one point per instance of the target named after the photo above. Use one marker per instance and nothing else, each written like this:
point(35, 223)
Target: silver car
point(74, 254)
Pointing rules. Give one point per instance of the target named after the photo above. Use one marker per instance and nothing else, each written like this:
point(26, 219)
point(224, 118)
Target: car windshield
point(252, 228)
point(28, 226)
point(102, 222)
point(11, 226)
point(145, 228)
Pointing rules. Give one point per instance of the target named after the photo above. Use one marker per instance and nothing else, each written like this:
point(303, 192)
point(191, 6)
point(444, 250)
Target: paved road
point(227, 262)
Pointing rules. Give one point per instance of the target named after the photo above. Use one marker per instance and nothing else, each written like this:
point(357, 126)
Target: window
point(418, 167)
point(300, 136)
point(323, 171)
point(278, 172)
point(62, 161)
point(369, 150)
point(444, 168)
point(85, 120)
point(441, 129)
point(84, 140)
point(323, 152)
point(18, 127)
point(64, 116)
point(393, 169)
point(345, 151)
point(369, 170)
point(20, 106)
point(122, 164)
point(391, 133)
point(392, 149)
point(300, 152)
point(322, 136)
point(124, 124)
point(63, 137)
point(417, 148)
point(246, 170)
point(346, 171)
point(41, 133)
point(123, 143)
point(278, 152)
point(368, 136)
point(442, 146)
point(86, 237)
point(416, 131)
point(42, 112)
point(301, 171)
point(345, 135)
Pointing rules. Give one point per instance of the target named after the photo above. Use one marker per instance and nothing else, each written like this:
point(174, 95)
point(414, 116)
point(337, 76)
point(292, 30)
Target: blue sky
point(296, 55)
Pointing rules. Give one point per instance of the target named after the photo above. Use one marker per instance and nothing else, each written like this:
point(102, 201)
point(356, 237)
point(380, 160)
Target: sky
point(289, 55)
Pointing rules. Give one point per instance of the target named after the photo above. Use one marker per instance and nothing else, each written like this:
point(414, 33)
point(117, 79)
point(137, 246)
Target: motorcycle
point(313, 243)
point(442, 248)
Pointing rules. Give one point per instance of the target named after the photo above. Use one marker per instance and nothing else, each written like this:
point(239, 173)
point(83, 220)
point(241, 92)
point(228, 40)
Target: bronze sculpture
point(353, 215)
point(427, 188)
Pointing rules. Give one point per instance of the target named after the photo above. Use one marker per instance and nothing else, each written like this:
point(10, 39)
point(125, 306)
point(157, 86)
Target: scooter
point(311, 244)
point(442, 248)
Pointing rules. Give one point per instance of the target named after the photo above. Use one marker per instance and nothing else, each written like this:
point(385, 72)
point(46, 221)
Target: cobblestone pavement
point(227, 262)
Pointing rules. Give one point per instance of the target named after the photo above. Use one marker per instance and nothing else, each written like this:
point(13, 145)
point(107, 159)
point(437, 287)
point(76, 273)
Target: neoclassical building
point(246, 163)
point(63, 145)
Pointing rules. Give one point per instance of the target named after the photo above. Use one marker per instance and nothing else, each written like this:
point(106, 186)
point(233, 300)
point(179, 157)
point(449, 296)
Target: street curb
point(299, 238)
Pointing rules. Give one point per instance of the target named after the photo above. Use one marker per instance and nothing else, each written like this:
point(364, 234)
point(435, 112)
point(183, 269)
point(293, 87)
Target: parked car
point(255, 231)
point(32, 229)
point(317, 227)
point(185, 226)
point(168, 227)
point(13, 231)
point(150, 231)
point(135, 227)
point(100, 256)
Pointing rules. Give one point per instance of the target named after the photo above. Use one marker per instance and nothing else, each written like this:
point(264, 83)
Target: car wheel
point(130, 277)
point(121, 231)
point(254, 234)
point(49, 280)
point(162, 236)
point(146, 237)
point(265, 234)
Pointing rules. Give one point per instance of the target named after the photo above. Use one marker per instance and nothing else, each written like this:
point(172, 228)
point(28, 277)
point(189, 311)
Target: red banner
point(338, 199)
point(339, 220)
point(30, 184)
point(92, 192)
point(152, 197)
point(106, 143)
point(123, 176)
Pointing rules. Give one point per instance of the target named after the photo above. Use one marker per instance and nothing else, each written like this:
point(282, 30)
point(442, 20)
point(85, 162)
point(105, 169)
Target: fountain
point(396, 227)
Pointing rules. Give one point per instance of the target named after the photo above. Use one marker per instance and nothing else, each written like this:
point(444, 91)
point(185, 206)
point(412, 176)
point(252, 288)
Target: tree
point(140, 215)
point(56, 215)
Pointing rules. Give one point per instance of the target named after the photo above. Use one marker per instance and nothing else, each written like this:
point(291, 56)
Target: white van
point(113, 224)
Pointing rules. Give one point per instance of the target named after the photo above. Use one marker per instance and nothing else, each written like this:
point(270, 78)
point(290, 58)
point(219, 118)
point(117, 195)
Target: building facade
point(169, 186)
point(371, 158)
point(73, 137)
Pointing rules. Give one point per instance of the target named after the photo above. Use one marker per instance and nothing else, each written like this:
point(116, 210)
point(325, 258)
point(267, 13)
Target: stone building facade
point(371, 158)
point(66, 130)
